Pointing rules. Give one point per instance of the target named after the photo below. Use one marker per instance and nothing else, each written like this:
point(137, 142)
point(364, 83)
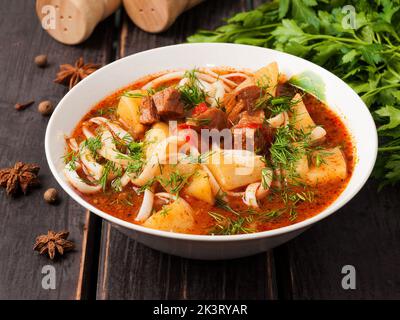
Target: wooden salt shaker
point(156, 15)
point(73, 21)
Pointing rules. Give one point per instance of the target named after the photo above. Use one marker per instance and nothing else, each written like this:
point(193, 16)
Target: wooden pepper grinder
point(73, 21)
point(156, 15)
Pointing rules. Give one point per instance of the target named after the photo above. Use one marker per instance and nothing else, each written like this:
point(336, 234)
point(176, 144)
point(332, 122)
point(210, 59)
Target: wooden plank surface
point(364, 234)
point(129, 270)
point(22, 138)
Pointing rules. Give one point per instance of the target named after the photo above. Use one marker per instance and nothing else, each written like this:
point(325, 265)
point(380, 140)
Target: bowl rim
point(214, 238)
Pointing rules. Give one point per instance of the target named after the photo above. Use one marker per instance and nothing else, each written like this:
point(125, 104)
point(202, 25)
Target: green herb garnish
point(192, 92)
point(365, 54)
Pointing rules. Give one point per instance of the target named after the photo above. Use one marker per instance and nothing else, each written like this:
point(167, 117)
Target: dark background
point(107, 264)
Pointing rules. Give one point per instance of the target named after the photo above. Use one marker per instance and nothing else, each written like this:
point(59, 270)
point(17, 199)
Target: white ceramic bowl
point(340, 97)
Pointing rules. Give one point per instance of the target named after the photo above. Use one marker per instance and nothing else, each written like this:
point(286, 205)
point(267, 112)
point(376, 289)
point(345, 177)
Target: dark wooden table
point(108, 265)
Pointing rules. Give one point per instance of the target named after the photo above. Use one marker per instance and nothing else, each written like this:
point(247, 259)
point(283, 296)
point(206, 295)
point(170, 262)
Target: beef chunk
point(212, 118)
point(168, 104)
point(261, 135)
point(249, 95)
point(244, 97)
point(257, 116)
point(148, 112)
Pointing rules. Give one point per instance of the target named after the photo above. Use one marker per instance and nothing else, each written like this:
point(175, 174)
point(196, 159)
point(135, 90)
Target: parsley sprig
point(366, 54)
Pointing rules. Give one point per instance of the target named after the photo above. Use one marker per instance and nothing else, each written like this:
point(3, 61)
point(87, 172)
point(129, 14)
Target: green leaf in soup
point(393, 114)
point(311, 83)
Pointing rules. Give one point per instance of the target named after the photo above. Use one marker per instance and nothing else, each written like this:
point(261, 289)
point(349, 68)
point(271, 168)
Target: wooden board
point(129, 270)
point(22, 138)
point(365, 233)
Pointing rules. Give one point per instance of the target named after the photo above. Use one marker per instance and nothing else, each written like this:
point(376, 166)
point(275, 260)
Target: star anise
point(20, 177)
point(53, 243)
point(71, 74)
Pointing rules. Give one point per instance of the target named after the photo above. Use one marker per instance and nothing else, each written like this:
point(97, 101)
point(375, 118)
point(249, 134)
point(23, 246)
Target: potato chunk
point(235, 168)
point(268, 77)
point(174, 217)
point(199, 187)
point(129, 112)
point(299, 116)
point(328, 165)
point(174, 177)
point(158, 132)
point(332, 167)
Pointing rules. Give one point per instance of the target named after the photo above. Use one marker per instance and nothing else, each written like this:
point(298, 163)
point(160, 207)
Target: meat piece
point(213, 118)
point(249, 95)
point(235, 112)
point(229, 102)
point(260, 136)
point(244, 97)
point(148, 111)
point(257, 116)
point(168, 103)
point(285, 89)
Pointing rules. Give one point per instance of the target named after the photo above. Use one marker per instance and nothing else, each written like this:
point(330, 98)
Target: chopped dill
point(105, 111)
point(175, 182)
point(270, 215)
point(221, 203)
point(130, 94)
point(116, 184)
point(164, 211)
point(191, 92)
point(201, 158)
point(227, 226)
point(292, 213)
point(266, 177)
point(147, 185)
point(70, 159)
point(109, 168)
point(93, 144)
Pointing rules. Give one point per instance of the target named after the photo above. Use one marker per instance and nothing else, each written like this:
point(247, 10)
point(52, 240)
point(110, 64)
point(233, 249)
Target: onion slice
point(249, 197)
point(166, 77)
point(146, 207)
point(95, 169)
point(73, 144)
point(108, 150)
point(88, 134)
point(317, 134)
point(122, 134)
point(76, 181)
point(282, 119)
point(152, 167)
point(218, 76)
point(258, 190)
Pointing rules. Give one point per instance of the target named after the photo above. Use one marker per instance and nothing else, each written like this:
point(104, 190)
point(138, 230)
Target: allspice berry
point(41, 60)
point(51, 196)
point(45, 108)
